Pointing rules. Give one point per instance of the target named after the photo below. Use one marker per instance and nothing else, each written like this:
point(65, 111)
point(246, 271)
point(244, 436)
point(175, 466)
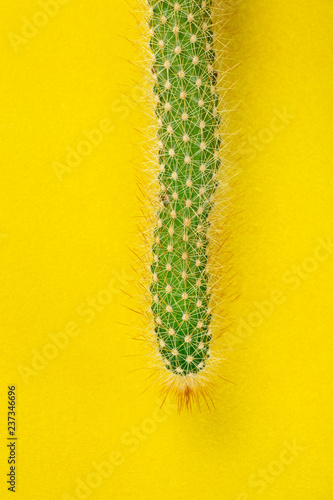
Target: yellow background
point(65, 241)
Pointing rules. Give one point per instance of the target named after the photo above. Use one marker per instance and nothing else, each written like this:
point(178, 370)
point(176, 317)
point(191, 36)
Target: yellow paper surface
point(84, 430)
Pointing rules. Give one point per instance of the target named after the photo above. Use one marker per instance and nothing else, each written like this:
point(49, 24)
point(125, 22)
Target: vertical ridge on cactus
point(184, 84)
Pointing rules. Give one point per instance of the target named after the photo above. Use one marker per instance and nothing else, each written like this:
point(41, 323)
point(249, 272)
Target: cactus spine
point(181, 40)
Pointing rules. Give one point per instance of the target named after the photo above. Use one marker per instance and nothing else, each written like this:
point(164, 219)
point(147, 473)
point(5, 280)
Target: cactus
point(181, 42)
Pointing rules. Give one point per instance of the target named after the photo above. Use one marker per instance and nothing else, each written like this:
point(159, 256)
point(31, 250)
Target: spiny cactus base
point(188, 120)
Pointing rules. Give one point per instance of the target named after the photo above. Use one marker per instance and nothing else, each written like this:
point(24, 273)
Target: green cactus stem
point(181, 41)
